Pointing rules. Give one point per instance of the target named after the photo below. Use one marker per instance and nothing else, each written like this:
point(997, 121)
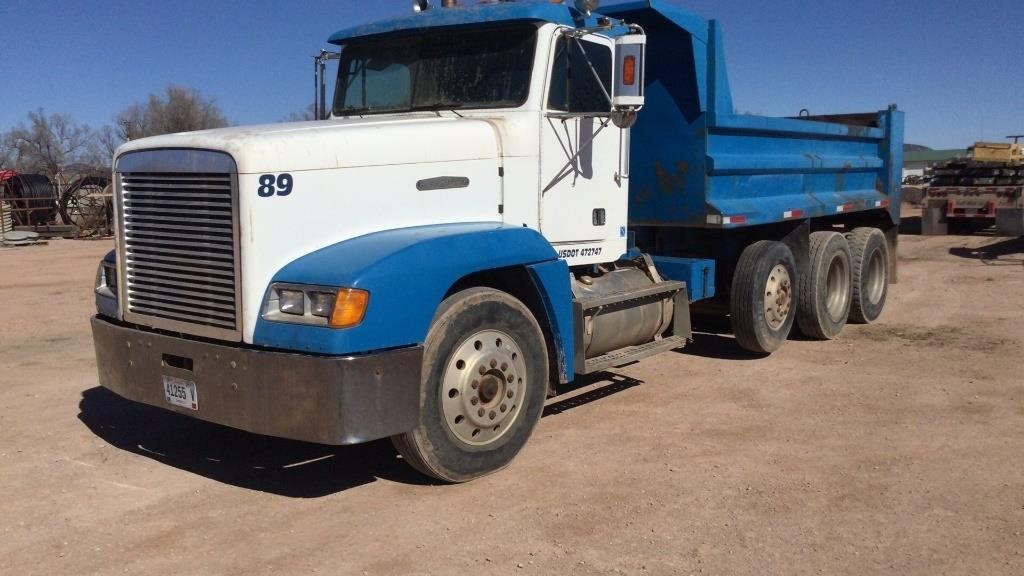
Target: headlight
point(321, 303)
point(291, 302)
point(106, 280)
point(315, 305)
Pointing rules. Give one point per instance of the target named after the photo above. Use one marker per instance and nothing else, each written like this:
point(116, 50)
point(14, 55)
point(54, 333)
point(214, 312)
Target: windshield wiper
point(425, 108)
point(368, 110)
point(437, 108)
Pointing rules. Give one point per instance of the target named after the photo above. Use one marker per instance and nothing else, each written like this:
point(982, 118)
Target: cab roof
point(530, 11)
point(483, 13)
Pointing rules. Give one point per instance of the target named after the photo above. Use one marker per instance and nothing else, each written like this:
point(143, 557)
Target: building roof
point(930, 156)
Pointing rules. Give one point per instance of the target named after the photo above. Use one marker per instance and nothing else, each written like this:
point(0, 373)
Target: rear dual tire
point(825, 290)
point(847, 280)
point(762, 305)
point(870, 259)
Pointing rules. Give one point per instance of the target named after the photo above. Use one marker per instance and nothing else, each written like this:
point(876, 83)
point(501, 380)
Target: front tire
point(763, 303)
point(484, 382)
point(870, 274)
point(825, 290)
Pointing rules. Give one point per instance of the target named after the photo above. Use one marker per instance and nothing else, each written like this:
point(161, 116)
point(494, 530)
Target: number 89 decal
point(271, 185)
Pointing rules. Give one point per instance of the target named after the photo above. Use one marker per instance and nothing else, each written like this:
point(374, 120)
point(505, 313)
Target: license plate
point(181, 392)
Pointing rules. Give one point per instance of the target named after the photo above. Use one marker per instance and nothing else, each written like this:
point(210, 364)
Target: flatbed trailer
point(1002, 206)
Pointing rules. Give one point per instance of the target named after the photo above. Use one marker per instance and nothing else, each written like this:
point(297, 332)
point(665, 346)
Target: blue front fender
point(407, 273)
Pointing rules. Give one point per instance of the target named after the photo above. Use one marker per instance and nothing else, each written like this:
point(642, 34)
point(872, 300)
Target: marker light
point(587, 6)
point(629, 70)
point(349, 308)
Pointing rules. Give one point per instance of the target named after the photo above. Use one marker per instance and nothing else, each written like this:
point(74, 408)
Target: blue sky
point(953, 67)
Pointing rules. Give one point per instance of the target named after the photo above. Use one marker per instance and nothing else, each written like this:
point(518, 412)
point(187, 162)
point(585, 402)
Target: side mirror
point(628, 88)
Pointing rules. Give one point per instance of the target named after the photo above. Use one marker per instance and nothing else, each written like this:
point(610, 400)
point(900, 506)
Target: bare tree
point(6, 154)
point(108, 139)
point(307, 113)
point(57, 146)
point(48, 144)
point(179, 109)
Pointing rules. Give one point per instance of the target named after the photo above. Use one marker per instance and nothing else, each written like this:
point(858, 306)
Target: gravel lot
point(898, 449)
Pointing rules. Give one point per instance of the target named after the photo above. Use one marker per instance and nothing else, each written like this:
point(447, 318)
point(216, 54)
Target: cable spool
point(6, 209)
point(6, 221)
point(87, 204)
point(33, 196)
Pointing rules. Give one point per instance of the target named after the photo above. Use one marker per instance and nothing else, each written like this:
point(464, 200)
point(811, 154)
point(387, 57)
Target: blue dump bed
point(697, 164)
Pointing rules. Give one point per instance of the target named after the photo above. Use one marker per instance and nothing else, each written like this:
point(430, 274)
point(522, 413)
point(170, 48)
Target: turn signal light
point(349, 308)
point(629, 70)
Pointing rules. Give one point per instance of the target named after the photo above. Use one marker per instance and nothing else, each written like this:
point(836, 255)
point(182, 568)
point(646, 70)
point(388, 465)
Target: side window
point(574, 88)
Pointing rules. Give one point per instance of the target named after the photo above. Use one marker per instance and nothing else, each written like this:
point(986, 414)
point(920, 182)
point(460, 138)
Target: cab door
point(583, 201)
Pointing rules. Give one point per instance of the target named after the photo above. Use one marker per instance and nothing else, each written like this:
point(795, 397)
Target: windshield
point(478, 68)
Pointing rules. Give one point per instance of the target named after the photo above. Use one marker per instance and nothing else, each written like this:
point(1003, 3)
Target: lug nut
point(494, 363)
point(480, 412)
point(475, 384)
point(493, 414)
point(511, 393)
point(474, 400)
point(504, 408)
point(504, 366)
point(511, 378)
point(483, 370)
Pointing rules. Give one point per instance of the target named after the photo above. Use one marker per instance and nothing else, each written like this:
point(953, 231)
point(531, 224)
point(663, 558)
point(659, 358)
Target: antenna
point(1016, 138)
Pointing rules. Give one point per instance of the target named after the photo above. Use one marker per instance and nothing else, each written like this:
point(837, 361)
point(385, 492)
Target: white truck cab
point(447, 153)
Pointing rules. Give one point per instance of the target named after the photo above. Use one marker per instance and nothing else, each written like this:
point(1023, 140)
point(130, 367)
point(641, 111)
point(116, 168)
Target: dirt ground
point(898, 449)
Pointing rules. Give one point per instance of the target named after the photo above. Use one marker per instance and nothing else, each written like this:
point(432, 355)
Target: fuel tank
point(628, 322)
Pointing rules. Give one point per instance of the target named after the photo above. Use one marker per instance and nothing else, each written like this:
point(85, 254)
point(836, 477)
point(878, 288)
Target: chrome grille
point(180, 248)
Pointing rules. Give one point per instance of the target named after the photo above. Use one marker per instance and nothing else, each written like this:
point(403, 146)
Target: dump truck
point(985, 187)
point(503, 197)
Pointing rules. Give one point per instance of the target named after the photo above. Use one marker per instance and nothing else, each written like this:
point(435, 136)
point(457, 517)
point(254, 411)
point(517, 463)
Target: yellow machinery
point(998, 153)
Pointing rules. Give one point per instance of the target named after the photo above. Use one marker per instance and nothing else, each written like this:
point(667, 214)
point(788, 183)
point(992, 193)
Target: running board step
point(632, 354)
point(627, 298)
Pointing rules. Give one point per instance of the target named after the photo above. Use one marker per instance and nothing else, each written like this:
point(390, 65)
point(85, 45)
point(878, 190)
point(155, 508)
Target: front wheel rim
point(483, 388)
point(778, 297)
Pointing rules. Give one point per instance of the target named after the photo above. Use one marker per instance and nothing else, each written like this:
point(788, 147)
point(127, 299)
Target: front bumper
point(329, 400)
